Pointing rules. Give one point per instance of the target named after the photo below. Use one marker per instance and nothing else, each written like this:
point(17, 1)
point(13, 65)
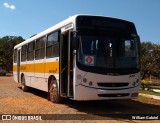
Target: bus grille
point(112, 84)
point(113, 95)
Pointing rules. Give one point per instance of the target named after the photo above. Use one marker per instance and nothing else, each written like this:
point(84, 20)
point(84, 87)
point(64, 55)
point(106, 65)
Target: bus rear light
point(134, 94)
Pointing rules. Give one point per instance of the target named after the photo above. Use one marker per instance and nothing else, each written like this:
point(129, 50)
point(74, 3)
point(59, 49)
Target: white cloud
point(7, 5)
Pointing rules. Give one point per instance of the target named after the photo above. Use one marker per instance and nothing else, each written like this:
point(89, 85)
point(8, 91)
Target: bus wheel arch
point(23, 83)
point(53, 90)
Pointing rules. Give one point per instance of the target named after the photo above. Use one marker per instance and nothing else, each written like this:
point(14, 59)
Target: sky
point(28, 17)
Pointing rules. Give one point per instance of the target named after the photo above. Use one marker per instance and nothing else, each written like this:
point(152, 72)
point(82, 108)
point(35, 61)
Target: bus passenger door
point(66, 69)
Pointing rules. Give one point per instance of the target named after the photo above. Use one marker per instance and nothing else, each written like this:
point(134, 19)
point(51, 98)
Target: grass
point(156, 87)
point(149, 92)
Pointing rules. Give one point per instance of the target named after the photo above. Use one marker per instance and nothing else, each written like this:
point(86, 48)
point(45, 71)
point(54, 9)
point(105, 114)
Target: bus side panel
point(39, 68)
point(39, 83)
point(27, 80)
point(30, 73)
point(15, 72)
point(23, 72)
point(52, 68)
point(39, 80)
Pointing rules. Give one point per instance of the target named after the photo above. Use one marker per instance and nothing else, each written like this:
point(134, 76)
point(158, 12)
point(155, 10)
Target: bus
point(85, 57)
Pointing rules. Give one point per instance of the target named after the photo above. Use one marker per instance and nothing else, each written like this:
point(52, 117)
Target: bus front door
point(66, 65)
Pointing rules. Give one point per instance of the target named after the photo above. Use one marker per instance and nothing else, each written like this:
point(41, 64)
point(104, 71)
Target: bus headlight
point(79, 77)
point(134, 83)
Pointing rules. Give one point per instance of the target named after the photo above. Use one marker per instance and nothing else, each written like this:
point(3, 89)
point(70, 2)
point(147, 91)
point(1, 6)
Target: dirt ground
point(14, 101)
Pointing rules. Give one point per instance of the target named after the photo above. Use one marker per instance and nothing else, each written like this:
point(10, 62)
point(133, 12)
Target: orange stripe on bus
point(49, 67)
point(15, 68)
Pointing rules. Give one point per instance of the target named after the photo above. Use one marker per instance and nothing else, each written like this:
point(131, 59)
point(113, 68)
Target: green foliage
point(149, 92)
point(150, 59)
point(7, 44)
point(145, 84)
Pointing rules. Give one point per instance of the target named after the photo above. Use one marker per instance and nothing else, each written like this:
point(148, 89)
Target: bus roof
point(60, 25)
point(47, 31)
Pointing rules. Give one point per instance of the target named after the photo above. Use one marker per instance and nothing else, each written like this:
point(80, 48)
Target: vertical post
point(18, 65)
point(150, 77)
point(69, 42)
point(74, 71)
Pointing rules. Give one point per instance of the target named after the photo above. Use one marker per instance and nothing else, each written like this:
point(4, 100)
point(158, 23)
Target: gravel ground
point(14, 101)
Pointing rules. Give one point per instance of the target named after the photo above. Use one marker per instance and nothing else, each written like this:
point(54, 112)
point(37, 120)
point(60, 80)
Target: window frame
point(53, 46)
point(30, 52)
point(15, 56)
point(40, 48)
point(24, 52)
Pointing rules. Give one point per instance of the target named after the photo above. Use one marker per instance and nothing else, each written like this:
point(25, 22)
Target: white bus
point(84, 57)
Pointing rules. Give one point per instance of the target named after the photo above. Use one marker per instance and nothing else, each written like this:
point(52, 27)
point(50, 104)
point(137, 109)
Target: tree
point(150, 59)
point(7, 44)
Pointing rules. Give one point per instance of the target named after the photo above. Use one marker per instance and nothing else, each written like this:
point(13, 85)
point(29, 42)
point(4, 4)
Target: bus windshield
point(109, 52)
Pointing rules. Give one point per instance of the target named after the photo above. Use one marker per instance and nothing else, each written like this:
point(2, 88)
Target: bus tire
point(23, 85)
point(53, 92)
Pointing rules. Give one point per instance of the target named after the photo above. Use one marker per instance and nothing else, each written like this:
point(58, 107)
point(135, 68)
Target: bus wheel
point(23, 84)
point(54, 93)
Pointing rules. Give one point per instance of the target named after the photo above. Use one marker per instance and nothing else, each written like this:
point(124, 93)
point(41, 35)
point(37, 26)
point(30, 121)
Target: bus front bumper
point(88, 93)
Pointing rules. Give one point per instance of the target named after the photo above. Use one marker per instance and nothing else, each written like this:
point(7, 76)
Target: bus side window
point(30, 54)
point(15, 56)
point(24, 53)
point(52, 46)
point(40, 48)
